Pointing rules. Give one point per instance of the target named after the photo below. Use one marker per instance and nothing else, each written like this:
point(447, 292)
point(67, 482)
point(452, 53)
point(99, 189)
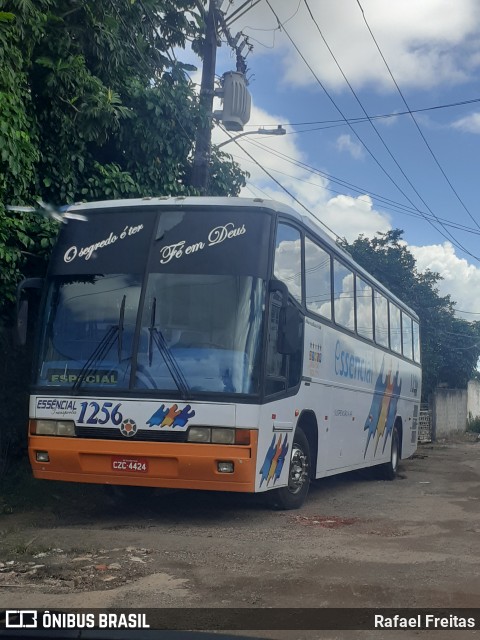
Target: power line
point(344, 183)
point(233, 43)
point(277, 28)
point(437, 162)
point(376, 117)
point(458, 244)
point(231, 18)
point(474, 313)
point(386, 206)
point(451, 237)
point(384, 201)
point(281, 185)
point(349, 125)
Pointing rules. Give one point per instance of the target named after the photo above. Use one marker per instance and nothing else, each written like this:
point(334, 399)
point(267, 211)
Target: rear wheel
point(389, 470)
point(293, 495)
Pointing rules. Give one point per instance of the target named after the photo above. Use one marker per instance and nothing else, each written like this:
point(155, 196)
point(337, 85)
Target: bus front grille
point(146, 435)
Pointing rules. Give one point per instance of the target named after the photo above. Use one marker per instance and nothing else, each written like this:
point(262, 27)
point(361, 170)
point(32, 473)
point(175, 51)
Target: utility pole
point(201, 159)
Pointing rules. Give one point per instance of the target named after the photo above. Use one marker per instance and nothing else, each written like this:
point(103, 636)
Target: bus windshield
point(195, 333)
point(88, 331)
point(157, 301)
point(207, 328)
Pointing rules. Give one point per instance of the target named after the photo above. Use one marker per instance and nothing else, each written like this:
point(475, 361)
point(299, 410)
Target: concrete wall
point(450, 411)
point(473, 401)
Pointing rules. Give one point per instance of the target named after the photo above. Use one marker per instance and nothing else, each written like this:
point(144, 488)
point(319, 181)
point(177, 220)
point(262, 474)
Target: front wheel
point(389, 470)
point(293, 495)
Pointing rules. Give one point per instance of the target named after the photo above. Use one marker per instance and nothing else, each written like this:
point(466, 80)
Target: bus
point(222, 344)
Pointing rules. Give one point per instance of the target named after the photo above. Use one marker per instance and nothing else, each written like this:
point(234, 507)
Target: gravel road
point(357, 542)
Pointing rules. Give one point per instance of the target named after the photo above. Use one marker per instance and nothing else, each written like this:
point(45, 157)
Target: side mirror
point(281, 287)
point(290, 322)
point(22, 308)
point(290, 330)
point(22, 323)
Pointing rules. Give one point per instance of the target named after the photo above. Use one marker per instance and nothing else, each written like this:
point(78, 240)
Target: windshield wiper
point(98, 355)
point(120, 328)
point(103, 347)
point(156, 336)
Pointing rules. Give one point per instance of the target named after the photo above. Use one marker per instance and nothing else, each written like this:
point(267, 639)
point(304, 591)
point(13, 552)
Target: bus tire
point(293, 495)
point(389, 469)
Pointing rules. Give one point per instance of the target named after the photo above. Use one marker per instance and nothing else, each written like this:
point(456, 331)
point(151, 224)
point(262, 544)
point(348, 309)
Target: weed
point(473, 423)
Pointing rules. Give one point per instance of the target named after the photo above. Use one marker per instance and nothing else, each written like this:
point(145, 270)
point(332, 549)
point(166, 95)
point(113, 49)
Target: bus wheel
point(293, 495)
point(389, 470)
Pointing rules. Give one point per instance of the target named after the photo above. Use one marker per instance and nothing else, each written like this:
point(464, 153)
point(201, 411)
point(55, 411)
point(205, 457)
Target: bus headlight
point(53, 428)
point(214, 435)
point(199, 434)
point(223, 436)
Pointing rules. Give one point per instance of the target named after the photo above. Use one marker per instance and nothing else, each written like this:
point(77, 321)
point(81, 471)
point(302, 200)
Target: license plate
point(132, 465)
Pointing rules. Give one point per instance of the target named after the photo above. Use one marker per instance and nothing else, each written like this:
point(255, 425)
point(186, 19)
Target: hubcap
point(298, 470)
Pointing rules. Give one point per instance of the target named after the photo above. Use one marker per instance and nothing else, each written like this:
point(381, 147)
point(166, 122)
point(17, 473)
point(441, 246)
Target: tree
point(450, 346)
point(94, 106)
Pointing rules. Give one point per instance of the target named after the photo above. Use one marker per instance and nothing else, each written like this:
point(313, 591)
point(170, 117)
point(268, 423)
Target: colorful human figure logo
point(383, 410)
point(274, 460)
point(171, 416)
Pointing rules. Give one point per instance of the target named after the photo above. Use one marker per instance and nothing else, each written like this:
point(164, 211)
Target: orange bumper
point(168, 465)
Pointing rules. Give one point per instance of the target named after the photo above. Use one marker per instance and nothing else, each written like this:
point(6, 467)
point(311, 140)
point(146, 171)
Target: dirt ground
point(357, 542)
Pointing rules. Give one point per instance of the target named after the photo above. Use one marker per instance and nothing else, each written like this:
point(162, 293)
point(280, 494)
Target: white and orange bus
point(217, 343)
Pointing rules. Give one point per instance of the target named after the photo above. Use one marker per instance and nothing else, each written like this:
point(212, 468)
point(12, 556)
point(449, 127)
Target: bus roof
point(260, 203)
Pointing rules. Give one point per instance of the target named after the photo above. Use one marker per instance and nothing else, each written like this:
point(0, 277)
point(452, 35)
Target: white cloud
point(346, 215)
point(460, 279)
point(469, 124)
point(345, 143)
point(426, 43)
point(350, 217)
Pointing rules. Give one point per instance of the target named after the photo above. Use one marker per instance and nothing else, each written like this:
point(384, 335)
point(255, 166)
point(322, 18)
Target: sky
point(317, 67)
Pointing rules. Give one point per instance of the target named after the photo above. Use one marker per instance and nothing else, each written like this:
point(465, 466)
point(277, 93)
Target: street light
point(279, 131)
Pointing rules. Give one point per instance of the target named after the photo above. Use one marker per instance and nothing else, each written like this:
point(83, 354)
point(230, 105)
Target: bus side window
point(283, 371)
point(318, 288)
point(288, 259)
point(364, 309)
point(343, 296)
point(395, 328)
point(407, 336)
point(381, 319)
point(416, 341)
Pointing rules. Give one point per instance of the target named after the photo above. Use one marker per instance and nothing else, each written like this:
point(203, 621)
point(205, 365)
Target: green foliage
point(25, 244)
point(450, 346)
point(225, 178)
point(92, 107)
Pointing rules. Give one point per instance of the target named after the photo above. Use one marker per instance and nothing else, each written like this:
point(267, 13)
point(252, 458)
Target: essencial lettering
point(348, 365)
